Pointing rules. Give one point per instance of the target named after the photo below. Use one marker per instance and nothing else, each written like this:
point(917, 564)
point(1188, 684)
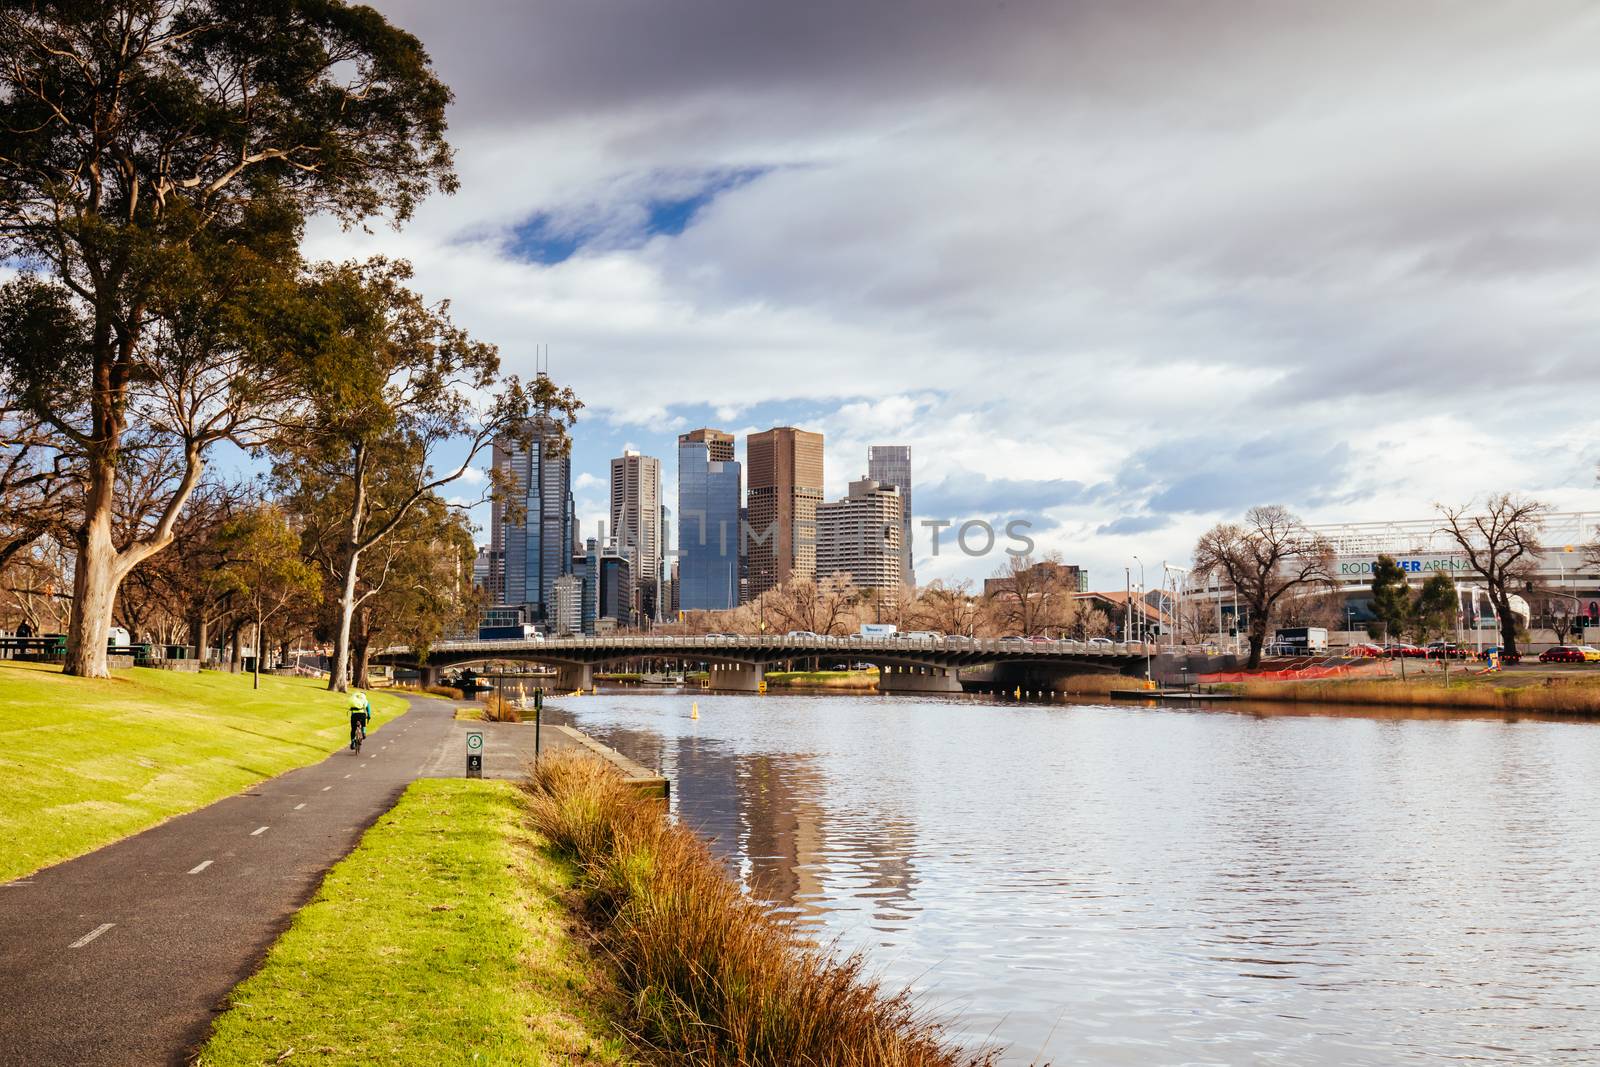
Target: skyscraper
point(785, 489)
point(530, 539)
point(636, 524)
point(859, 536)
point(708, 521)
point(891, 465)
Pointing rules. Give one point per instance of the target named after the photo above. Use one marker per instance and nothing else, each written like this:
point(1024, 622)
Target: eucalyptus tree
point(394, 388)
point(157, 161)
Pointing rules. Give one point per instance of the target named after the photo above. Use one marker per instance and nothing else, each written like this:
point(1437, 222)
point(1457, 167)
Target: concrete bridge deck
point(738, 663)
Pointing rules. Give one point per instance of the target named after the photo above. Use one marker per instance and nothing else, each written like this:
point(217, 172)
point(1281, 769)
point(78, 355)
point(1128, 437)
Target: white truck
point(877, 629)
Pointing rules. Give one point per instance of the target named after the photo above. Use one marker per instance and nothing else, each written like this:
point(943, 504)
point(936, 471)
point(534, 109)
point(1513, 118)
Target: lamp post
point(1144, 636)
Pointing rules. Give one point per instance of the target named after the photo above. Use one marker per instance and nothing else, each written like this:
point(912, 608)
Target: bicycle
point(357, 737)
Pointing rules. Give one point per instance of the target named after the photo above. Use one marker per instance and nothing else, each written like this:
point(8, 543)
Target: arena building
point(1563, 581)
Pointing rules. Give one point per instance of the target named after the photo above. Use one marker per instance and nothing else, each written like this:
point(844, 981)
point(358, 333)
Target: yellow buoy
point(1018, 694)
point(694, 711)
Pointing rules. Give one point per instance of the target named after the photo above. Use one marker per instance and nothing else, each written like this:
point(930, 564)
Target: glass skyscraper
point(531, 538)
point(891, 465)
point(709, 490)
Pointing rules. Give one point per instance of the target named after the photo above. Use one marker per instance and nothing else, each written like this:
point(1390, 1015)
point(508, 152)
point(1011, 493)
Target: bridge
point(738, 664)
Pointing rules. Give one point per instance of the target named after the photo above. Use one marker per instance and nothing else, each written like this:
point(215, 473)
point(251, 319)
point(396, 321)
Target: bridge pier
point(900, 678)
point(571, 677)
point(427, 676)
point(736, 677)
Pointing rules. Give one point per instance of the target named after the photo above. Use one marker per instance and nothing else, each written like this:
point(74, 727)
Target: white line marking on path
point(297, 807)
point(347, 776)
point(201, 867)
point(328, 787)
point(258, 831)
point(17, 884)
point(91, 935)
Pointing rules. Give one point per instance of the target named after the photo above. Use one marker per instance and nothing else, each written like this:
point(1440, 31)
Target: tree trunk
point(361, 648)
point(236, 649)
point(256, 680)
point(94, 578)
point(1256, 641)
point(341, 638)
point(1508, 626)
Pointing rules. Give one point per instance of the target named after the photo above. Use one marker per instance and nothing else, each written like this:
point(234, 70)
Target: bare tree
point(826, 607)
point(1501, 544)
point(1031, 596)
point(1268, 558)
point(947, 609)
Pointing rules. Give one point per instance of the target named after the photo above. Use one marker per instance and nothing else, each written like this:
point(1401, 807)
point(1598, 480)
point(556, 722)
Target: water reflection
point(1118, 885)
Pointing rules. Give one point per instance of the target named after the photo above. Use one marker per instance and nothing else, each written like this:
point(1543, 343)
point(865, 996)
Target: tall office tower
point(589, 572)
point(530, 540)
point(616, 589)
point(785, 489)
point(480, 568)
point(891, 465)
point(859, 536)
point(708, 521)
point(568, 614)
point(636, 524)
point(665, 609)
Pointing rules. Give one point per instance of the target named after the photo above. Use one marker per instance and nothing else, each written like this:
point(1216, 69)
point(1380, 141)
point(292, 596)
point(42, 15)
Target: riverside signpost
point(474, 753)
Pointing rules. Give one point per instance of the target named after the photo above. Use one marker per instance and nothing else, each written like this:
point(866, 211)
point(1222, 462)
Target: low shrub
point(712, 976)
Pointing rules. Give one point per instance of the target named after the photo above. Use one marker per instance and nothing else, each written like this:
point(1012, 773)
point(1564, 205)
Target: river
point(1090, 884)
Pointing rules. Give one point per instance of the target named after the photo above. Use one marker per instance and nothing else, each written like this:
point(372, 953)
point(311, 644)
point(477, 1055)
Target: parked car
point(921, 635)
point(806, 634)
point(1561, 654)
point(1013, 637)
point(1402, 650)
point(1101, 641)
point(1590, 653)
point(1514, 657)
point(1446, 650)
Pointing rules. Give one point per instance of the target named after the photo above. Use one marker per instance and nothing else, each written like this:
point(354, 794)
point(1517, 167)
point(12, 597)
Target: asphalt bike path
point(125, 955)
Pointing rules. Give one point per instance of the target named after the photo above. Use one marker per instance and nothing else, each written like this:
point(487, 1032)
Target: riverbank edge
point(710, 974)
point(1576, 697)
point(447, 935)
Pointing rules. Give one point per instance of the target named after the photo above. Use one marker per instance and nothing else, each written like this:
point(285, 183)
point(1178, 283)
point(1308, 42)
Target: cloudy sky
point(1119, 269)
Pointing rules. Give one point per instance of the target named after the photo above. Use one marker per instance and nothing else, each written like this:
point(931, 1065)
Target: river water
point(1088, 884)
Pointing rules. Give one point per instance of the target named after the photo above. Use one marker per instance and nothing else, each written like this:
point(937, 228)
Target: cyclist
point(360, 714)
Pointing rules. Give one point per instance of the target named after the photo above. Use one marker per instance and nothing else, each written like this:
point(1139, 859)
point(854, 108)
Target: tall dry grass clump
point(497, 708)
point(712, 977)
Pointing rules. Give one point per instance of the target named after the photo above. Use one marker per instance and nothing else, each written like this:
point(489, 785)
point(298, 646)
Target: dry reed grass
point(713, 978)
point(1566, 695)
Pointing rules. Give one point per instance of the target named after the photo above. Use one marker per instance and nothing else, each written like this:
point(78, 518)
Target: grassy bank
point(1504, 692)
point(443, 938)
point(711, 977)
point(84, 762)
point(867, 680)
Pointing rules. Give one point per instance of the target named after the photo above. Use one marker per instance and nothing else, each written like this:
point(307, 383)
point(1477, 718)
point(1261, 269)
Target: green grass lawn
point(442, 939)
point(84, 762)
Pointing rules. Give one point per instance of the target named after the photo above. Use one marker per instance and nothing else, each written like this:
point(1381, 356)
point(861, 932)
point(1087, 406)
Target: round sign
point(474, 741)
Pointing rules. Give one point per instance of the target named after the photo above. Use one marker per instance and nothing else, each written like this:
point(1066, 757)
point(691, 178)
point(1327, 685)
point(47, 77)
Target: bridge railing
point(644, 645)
